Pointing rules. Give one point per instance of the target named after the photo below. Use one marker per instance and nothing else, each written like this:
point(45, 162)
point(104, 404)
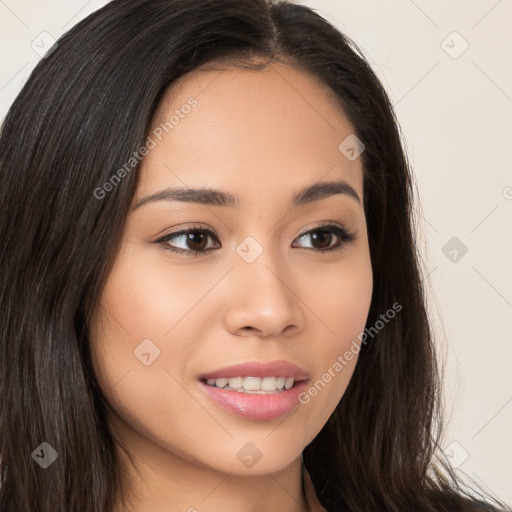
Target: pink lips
point(256, 406)
point(258, 369)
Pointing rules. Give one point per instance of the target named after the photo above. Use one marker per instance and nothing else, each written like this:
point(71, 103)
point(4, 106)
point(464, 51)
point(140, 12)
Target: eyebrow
point(212, 197)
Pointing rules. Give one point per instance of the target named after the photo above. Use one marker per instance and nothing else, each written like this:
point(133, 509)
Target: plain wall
point(445, 67)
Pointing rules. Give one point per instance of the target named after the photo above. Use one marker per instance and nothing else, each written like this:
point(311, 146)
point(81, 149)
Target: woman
point(210, 295)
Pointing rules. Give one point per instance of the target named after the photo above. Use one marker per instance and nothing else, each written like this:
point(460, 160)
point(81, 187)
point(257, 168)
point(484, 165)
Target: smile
point(255, 390)
point(253, 384)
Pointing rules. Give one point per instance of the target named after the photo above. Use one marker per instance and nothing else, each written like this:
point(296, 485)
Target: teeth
point(236, 383)
point(220, 383)
point(268, 384)
point(253, 384)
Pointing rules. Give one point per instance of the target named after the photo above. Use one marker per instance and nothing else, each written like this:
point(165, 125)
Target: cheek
point(340, 299)
point(153, 296)
point(140, 370)
point(341, 304)
point(138, 310)
point(137, 295)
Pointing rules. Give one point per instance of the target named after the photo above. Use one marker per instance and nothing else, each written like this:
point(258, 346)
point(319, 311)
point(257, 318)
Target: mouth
point(254, 385)
point(255, 390)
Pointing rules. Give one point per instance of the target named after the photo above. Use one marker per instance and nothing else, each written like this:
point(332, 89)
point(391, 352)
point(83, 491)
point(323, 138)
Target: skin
point(261, 135)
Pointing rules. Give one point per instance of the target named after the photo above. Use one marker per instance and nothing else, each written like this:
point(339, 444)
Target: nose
point(262, 300)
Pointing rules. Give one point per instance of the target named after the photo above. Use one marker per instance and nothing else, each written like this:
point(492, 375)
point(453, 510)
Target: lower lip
point(255, 406)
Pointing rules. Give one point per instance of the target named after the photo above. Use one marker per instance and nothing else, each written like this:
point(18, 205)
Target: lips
point(255, 405)
point(260, 369)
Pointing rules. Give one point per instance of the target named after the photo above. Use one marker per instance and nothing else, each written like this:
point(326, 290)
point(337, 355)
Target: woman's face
point(258, 292)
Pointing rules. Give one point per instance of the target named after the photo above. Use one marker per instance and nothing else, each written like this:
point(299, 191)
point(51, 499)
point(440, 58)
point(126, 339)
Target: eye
point(322, 237)
point(195, 239)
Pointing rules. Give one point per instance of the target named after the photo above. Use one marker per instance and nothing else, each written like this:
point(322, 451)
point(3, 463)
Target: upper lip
point(261, 369)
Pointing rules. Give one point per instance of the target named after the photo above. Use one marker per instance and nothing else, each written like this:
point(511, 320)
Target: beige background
point(445, 67)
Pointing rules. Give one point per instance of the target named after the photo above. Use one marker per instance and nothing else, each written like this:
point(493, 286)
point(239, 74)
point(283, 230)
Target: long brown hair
point(84, 111)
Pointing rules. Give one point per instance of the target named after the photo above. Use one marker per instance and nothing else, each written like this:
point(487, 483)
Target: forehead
point(250, 130)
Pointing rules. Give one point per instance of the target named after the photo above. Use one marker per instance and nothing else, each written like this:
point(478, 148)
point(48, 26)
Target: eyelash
point(344, 235)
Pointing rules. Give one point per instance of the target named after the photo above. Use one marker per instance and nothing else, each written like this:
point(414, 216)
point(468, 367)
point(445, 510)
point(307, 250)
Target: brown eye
point(193, 241)
point(196, 241)
point(323, 236)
